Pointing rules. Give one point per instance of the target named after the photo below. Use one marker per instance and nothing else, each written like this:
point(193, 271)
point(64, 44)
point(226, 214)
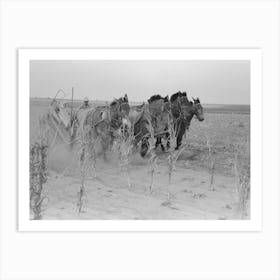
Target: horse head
point(198, 109)
point(119, 112)
point(159, 103)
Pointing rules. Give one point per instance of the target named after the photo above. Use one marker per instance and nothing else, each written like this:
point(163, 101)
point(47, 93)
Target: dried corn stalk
point(38, 176)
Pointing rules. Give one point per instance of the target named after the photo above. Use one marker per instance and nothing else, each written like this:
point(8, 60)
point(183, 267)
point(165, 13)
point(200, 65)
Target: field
point(205, 183)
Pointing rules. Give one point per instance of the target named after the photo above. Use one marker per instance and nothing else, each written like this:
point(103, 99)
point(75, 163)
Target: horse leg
point(181, 132)
point(144, 147)
point(167, 141)
point(158, 142)
point(161, 145)
point(179, 142)
point(104, 148)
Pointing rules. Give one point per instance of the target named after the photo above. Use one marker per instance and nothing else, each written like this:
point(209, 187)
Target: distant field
point(226, 109)
point(208, 108)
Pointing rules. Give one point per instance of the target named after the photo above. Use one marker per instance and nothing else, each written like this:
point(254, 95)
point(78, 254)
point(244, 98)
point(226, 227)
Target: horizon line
point(98, 100)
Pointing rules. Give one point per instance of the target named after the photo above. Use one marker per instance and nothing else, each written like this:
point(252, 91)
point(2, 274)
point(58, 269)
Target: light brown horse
point(100, 124)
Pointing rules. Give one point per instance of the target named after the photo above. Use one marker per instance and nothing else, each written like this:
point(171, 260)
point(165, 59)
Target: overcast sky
point(214, 82)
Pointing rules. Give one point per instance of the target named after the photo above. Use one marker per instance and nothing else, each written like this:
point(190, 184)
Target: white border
point(24, 57)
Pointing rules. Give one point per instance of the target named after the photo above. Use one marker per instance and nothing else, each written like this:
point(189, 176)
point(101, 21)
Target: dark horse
point(152, 120)
point(159, 108)
point(183, 111)
point(159, 113)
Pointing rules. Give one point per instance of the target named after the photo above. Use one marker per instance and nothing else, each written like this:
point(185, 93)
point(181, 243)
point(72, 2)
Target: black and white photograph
point(140, 139)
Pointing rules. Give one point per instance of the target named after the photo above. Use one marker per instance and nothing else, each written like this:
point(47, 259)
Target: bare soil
point(192, 196)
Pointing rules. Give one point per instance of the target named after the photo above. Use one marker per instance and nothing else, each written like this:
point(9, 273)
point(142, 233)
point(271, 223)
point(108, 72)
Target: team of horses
point(151, 119)
point(161, 113)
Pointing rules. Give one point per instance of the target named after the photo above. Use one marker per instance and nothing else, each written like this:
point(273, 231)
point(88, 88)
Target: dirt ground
point(192, 196)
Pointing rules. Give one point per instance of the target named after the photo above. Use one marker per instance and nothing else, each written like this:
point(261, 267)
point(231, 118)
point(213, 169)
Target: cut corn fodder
point(38, 177)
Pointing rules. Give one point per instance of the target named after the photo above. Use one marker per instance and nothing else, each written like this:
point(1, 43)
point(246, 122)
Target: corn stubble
point(173, 155)
point(124, 145)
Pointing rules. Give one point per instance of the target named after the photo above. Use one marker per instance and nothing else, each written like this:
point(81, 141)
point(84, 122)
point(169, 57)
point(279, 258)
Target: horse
point(183, 111)
point(152, 120)
point(101, 123)
point(159, 108)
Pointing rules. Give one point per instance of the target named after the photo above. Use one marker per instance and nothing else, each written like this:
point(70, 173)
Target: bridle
point(181, 112)
point(196, 108)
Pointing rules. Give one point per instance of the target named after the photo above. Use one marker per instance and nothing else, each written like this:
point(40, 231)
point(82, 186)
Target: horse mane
point(113, 102)
point(178, 94)
point(154, 98)
point(166, 98)
point(120, 100)
point(175, 96)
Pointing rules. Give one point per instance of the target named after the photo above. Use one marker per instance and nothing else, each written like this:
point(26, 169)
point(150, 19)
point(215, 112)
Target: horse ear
point(198, 100)
point(126, 97)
